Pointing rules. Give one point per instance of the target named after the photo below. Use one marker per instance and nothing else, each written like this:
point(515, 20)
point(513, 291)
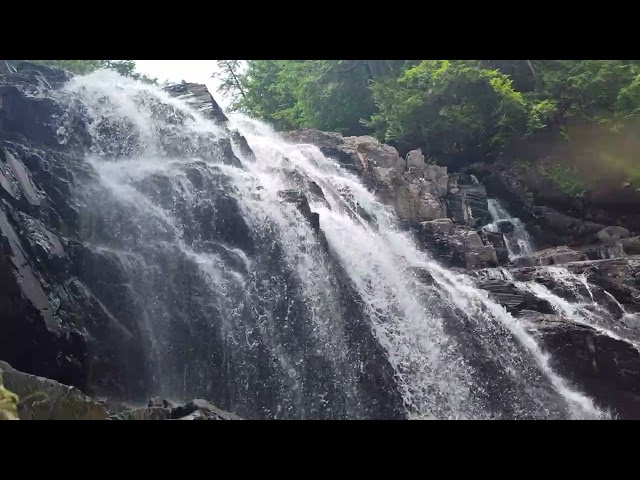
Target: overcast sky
point(197, 71)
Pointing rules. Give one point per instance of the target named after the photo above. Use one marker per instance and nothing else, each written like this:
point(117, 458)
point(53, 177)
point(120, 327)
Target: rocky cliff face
point(68, 310)
point(445, 210)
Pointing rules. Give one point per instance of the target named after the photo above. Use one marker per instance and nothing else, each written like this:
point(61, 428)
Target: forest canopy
point(444, 107)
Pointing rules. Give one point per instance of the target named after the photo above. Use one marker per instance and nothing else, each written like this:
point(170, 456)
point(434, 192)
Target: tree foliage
point(82, 67)
point(444, 106)
point(325, 94)
point(229, 74)
point(448, 106)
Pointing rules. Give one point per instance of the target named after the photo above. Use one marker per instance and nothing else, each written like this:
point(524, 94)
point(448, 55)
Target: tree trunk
point(235, 79)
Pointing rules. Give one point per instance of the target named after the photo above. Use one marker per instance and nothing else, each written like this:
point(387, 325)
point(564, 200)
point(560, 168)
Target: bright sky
point(196, 71)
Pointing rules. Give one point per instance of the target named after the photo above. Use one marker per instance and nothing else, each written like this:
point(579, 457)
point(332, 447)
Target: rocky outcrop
point(67, 311)
point(44, 399)
point(424, 196)
point(596, 346)
point(459, 246)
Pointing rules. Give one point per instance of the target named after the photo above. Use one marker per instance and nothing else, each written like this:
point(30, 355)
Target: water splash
point(518, 242)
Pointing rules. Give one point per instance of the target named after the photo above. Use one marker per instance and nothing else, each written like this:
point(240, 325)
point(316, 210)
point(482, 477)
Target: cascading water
point(577, 304)
point(246, 303)
point(516, 238)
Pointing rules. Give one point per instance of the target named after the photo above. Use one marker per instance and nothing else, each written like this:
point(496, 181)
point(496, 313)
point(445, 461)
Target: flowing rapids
point(244, 301)
point(518, 242)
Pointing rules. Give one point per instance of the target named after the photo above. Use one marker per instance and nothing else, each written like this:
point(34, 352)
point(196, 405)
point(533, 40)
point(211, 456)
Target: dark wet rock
point(512, 298)
point(606, 369)
point(631, 245)
point(602, 251)
point(317, 192)
point(302, 204)
point(497, 241)
point(204, 410)
point(504, 226)
point(458, 246)
point(468, 204)
point(241, 143)
point(198, 96)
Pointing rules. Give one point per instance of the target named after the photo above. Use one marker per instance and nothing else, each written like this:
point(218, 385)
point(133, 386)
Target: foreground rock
point(44, 399)
point(28, 397)
point(605, 368)
point(159, 409)
point(594, 337)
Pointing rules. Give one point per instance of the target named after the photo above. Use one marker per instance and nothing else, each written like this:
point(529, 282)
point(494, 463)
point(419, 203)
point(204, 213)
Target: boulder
point(302, 204)
point(160, 409)
point(203, 410)
point(456, 245)
point(497, 241)
point(415, 159)
point(314, 137)
point(199, 96)
point(550, 256)
point(378, 154)
point(434, 180)
point(44, 399)
point(240, 142)
point(612, 234)
point(631, 245)
point(468, 204)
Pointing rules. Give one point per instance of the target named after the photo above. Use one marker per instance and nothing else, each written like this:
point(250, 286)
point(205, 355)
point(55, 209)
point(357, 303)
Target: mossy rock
point(8, 403)
point(45, 399)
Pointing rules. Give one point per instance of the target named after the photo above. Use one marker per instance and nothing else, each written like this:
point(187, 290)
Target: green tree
point(466, 108)
point(229, 74)
point(450, 106)
point(323, 94)
point(593, 90)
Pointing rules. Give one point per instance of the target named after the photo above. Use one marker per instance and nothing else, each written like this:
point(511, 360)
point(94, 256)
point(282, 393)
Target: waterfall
point(247, 302)
point(516, 238)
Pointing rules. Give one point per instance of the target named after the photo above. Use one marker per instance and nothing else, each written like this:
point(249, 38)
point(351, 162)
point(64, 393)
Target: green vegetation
point(83, 67)
point(476, 109)
point(8, 403)
point(565, 179)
